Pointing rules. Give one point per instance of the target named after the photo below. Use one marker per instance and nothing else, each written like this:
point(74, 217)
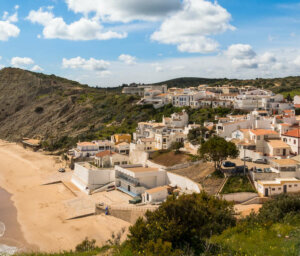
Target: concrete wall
point(264, 176)
point(183, 182)
point(138, 156)
point(239, 197)
point(129, 214)
point(93, 179)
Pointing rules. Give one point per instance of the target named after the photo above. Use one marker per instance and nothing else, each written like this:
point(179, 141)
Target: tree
point(184, 222)
point(216, 150)
point(289, 98)
point(176, 146)
point(196, 136)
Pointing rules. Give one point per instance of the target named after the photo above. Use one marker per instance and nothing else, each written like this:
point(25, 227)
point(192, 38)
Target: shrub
point(39, 110)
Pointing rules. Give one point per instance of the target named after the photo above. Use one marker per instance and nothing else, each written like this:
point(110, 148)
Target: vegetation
point(181, 223)
point(201, 225)
point(197, 135)
point(216, 150)
point(237, 184)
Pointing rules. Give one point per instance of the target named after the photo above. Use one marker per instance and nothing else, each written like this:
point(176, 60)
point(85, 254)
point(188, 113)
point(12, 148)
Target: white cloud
point(128, 59)
point(267, 57)
point(17, 7)
point(240, 51)
point(86, 64)
point(21, 62)
point(37, 68)
point(125, 11)
point(191, 27)
point(83, 29)
point(297, 61)
point(7, 28)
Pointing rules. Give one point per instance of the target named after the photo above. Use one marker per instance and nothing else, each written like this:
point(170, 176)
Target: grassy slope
point(237, 184)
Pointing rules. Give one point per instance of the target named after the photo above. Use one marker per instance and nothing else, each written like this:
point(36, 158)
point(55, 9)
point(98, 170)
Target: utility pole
point(244, 161)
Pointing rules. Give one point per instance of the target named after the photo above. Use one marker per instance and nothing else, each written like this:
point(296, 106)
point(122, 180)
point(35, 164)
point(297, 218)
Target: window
point(290, 186)
point(117, 163)
point(258, 137)
point(273, 189)
point(124, 162)
point(294, 141)
point(295, 185)
point(279, 188)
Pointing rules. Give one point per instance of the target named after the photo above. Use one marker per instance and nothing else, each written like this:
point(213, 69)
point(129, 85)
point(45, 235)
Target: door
point(284, 152)
point(284, 188)
point(266, 192)
point(128, 188)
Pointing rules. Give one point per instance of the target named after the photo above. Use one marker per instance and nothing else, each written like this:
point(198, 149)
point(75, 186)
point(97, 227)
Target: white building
point(88, 178)
point(136, 179)
point(88, 149)
point(155, 195)
point(292, 138)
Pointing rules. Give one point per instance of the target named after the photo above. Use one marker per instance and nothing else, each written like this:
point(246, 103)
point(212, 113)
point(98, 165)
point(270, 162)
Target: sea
point(11, 236)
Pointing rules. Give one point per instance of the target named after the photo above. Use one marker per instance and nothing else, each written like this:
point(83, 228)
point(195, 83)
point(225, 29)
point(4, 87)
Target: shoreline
point(41, 210)
point(11, 235)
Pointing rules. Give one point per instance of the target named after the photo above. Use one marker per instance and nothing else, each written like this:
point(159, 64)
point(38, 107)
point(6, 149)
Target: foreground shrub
point(184, 222)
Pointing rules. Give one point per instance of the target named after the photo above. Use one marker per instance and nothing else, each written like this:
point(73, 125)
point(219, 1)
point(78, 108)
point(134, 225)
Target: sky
point(111, 42)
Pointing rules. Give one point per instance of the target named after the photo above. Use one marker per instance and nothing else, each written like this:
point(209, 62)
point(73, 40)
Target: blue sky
point(110, 42)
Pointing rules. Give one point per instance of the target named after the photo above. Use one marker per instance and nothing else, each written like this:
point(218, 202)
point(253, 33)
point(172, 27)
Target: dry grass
point(171, 158)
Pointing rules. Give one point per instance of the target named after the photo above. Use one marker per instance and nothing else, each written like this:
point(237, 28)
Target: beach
point(40, 211)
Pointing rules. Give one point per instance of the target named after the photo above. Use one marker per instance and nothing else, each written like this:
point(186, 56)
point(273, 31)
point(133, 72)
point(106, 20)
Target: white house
point(154, 195)
point(136, 179)
point(292, 138)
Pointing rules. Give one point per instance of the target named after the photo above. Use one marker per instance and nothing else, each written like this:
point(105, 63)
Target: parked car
point(267, 170)
point(61, 170)
point(259, 170)
point(229, 164)
point(260, 161)
point(135, 200)
point(240, 169)
point(247, 159)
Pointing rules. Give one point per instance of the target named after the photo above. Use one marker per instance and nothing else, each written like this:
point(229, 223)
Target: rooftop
point(105, 153)
point(285, 162)
point(86, 144)
point(156, 190)
point(293, 133)
point(141, 169)
point(278, 144)
point(263, 131)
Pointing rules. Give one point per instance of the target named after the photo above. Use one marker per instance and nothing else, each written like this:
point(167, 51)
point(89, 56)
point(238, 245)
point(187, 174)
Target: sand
point(41, 211)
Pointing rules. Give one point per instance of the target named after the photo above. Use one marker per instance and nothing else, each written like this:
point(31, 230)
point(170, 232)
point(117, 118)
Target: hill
point(278, 85)
point(61, 112)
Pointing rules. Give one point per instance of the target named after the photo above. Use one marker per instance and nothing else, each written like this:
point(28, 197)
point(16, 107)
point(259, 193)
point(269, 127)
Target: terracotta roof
point(288, 111)
point(105, 153)
point(86, 144)
point(156, 190)
point(297, 105)
point(287, 161)
point(263, 131)
point(285, 124)
point(278, 144)
point(293, 133)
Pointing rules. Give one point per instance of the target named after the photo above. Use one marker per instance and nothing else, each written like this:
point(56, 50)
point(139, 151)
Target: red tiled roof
point(297, 105)
point(293, 133)
point(263, 131)
point(105, 153)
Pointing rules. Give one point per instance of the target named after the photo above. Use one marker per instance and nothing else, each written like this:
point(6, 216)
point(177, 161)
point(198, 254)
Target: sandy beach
point(41, 211)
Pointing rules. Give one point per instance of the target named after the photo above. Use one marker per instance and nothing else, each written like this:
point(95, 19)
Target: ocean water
point(11, 237)
point(5, 249)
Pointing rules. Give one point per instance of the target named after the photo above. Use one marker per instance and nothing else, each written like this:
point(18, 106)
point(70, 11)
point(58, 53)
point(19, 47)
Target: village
point(160, 159)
